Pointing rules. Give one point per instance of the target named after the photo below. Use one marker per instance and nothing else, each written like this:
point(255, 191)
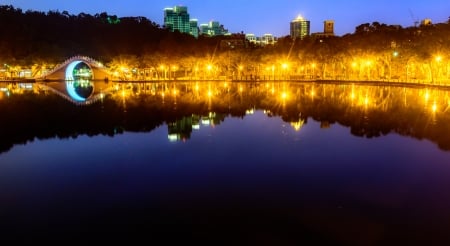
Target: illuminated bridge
point(77, 68)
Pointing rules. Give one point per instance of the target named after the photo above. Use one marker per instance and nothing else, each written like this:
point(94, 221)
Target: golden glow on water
point(427, 96)
point(276, 95)
point(342, 103)
point(298, 125)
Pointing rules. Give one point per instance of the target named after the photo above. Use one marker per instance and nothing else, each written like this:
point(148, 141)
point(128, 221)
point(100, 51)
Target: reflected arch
point(80, 90)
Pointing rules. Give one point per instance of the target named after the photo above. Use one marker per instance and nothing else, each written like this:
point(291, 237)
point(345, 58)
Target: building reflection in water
point(181, 130)
point(369, 111)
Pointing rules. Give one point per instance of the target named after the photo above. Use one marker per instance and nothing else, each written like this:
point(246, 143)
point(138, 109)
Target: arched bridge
point(78, 67)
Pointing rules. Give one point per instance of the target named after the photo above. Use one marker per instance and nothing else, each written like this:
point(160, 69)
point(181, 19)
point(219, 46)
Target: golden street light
point(174, 69)
point(273, 72)
point(313, 66)
point(209, 67)
point(438, 60)
point(368, 65)
point(285, 67)
point(240, 68)
point(163, 69)
point(354, 66)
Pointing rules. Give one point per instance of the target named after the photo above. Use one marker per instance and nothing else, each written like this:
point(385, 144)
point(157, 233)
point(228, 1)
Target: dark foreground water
point(264, 164)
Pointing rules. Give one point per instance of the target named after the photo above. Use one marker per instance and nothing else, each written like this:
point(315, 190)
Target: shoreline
point(419, 84)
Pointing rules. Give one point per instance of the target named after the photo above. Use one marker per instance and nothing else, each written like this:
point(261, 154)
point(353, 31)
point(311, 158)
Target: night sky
point(264, 16)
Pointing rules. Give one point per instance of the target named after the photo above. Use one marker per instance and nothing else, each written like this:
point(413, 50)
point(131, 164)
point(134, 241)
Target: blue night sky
point(264, 16)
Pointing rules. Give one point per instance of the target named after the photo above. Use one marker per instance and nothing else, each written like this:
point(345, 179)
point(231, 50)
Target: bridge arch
point(69, 74)
point(64, 70)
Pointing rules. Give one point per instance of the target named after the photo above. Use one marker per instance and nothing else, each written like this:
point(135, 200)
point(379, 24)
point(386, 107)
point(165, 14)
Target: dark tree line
point(31, 36)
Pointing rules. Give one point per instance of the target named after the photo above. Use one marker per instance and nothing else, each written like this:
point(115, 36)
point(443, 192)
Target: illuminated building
point(426, 22)
point(300, 27)
point(266, 39)
point(177, 19)
point(193, 27)
point(251, 38)
point(213, 28)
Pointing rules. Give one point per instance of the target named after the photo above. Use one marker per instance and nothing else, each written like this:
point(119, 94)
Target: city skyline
point(264, 17)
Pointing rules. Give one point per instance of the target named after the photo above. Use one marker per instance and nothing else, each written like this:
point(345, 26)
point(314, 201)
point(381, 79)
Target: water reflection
point(80, 90)
point(368, 111)
point(181, 130)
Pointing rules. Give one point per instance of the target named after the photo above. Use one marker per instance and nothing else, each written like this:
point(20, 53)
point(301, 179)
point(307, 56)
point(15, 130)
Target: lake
point(279, 163)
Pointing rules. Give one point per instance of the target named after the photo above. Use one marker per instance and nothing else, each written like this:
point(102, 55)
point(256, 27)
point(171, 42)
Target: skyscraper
point(193, 23)
point(177, 18)
point(300, 28)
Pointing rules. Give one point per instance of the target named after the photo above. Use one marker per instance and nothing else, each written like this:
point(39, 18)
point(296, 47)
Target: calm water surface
point(264, 163)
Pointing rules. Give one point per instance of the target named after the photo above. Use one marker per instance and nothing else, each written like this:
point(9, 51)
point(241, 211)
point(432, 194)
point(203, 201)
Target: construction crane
point(415, 21)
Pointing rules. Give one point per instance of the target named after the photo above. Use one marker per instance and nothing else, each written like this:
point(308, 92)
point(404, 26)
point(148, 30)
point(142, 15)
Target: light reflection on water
point(281, 161)
point(80, 90)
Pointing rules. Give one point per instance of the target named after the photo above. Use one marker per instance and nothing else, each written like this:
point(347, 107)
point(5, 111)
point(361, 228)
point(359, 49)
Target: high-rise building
point(213, 28)
point(193, 24)
point(300, 28)
point(177, 18)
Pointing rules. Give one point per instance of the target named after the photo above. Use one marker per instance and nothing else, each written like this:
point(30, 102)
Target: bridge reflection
point(368, 111)
point(79, 91)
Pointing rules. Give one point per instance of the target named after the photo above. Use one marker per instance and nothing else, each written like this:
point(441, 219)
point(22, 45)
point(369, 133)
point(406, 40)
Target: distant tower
point(193, 25)
point(328, 27)
point(177, 18)
point(300, 28)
